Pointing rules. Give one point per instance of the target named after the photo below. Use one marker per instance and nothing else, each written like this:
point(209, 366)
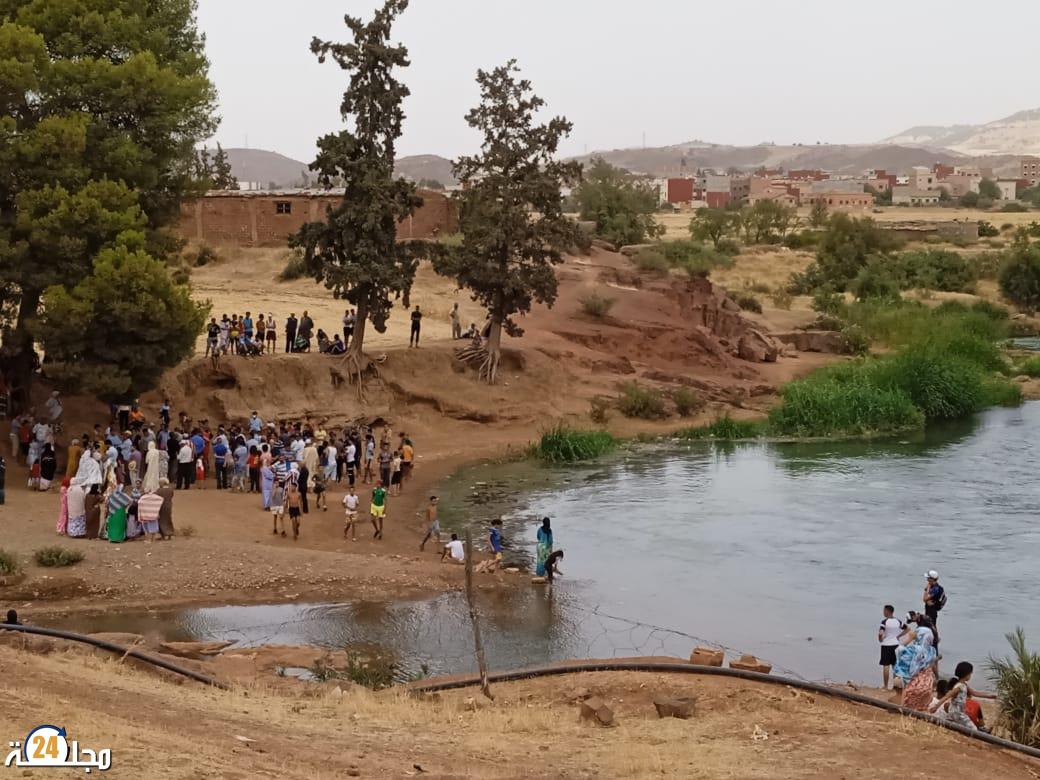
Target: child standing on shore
point(278, 506)
point(350, 507)
point(378, 509)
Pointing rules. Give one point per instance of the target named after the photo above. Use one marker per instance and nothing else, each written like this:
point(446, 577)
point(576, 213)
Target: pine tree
point(355, 251)
point(510, 208)
point(223, 178)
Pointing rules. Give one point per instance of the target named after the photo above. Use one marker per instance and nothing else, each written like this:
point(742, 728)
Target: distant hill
point(426, 166)
point(272, 168)
point(1018, 134)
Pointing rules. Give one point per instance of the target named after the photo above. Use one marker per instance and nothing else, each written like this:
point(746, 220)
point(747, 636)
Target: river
point(784, 550)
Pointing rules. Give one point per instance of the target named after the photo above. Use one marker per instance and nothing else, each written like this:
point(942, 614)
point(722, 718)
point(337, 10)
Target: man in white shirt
point(888, 636)
point(456, 549)
point(185, 464)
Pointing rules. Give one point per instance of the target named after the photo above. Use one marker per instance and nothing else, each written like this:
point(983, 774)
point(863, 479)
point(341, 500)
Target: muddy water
point(784, 550)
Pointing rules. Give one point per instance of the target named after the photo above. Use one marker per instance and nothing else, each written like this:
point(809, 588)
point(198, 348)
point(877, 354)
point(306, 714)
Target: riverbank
point(766, 731)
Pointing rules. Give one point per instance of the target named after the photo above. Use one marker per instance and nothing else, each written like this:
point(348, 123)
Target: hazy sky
point(729, 71)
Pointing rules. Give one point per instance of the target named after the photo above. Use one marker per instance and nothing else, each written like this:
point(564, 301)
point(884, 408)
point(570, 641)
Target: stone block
point(670, 707)
point(596, 711)
point(749, 663)
point(707, 656)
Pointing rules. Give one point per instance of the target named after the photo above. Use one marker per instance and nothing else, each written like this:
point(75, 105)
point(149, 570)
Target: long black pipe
point(715, 671)
point(117, 649)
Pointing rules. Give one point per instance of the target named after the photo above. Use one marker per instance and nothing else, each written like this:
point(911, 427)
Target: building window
point(282, 207)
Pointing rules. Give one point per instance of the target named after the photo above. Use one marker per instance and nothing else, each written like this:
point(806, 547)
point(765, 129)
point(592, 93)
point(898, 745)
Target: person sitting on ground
point(456, 549)
point(337, 347)
point(323, 342)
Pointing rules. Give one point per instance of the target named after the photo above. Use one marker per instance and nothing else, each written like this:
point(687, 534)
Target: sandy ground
point(532, 729)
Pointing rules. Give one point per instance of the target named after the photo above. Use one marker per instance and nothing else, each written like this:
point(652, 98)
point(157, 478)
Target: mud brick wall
point(268, 219)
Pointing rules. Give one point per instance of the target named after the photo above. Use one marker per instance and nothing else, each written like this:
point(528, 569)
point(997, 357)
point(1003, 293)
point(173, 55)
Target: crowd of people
point(910, 651)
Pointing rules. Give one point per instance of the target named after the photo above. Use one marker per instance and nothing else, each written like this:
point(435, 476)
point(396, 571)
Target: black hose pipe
point(117, 649)
point(622, 666)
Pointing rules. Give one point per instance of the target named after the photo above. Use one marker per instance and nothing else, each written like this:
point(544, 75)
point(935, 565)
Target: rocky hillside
point(1017, 134)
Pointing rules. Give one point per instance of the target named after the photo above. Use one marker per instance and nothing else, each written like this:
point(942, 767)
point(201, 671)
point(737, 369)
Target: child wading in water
point(350, 507)
point(378, 509)
point(278, 507)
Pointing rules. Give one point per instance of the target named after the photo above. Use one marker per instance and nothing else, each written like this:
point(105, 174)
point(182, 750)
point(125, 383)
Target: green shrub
point(180, 276)
point(375, 672)
point(874, 281)
point(987, 264)
point(56, 557)
point(451, 239)
point(936, 270)
point(854, 340)
point(1029, 367)
point(563, 444)
point(804, 239)
point(694, 257)
point(1020, 276)
point(942, 386)
point(826, 301)
point(827, 322)
point(1017, 683)
point(748, 302)
point(1013, 208)
point(643, 402)
point(993, 311)
point(687, 403)
point(832, 403)
point(724, 429)
point(596, 305)
point(295, 268)
point(999, 391)
point(651, 261)
point(727, 246)
point(987, 230)
point(782, 299)
point(8, 563)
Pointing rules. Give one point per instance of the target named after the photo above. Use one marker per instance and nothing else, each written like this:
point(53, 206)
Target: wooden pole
point(485, 685)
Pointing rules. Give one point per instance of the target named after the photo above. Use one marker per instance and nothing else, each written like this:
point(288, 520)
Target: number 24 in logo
point(46, 746)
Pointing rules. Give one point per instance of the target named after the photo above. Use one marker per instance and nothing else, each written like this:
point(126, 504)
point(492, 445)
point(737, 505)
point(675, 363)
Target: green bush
point(826, 301)
point(782, 299)
point(643, 402)
point(1029, 367)
point(8, 563)
point(1017, 683)
point(687, 403)
point(724, 429)
point(596, 305)
point(563, 444)
point(874, 281)
point(987, 264)
point(804, 239)
point(1013, 208)
point(987, 230)
point(845, 402)
point(935, 270)
point(998, 391)
point(651, 261)
point(993, 311)
point(1020, 276)
point(55, 557)
point(854, 340)
point(942, 386)
point(728, 246)
point(748, 302)
point(295, 268)
point(375, 672)
point(694, 257)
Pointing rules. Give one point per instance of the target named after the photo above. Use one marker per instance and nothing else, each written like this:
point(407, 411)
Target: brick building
point(268, 218)
point(1031, 170)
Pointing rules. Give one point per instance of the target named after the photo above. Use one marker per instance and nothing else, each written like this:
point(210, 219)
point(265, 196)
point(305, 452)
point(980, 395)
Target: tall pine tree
point(510, 208)
point(355, 251)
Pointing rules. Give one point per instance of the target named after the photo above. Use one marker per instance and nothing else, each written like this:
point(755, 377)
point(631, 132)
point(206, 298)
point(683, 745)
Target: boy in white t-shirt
point(888, 636)
point(278, 507)
point(455, 549)
point(350, 506)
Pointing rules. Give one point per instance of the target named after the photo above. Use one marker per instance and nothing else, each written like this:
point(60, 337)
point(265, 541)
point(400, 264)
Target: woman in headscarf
point(92, 506)
point(62, 525)
point(166, 510)
point(89, 471)
point(266, 484)
point(48, 466)
point(915, 664)
point(118, 502)
point(545, 547)
point(72, 461)
point(153, 470)
point(133, 525)
point(76, 509)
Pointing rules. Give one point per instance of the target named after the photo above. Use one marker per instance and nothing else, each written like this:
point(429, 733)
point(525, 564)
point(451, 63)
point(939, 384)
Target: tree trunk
point(21, 366)
point(354, 358)
point(489, 370)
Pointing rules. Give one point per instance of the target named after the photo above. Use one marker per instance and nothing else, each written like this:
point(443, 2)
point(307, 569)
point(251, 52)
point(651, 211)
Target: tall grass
point(8, 563)
point(724, 429)
point(562, 444)
point(1017, 681)
point(646, 403)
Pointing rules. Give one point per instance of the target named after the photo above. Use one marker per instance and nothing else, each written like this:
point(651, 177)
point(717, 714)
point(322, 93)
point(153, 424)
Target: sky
point(669, 71)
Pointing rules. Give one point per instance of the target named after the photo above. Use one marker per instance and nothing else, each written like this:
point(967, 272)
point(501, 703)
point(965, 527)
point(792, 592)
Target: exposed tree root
point(481, 358)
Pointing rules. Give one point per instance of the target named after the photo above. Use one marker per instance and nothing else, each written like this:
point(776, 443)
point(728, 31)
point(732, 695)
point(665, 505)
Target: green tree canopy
point(989, 189)
point(848, 246)
point(355, 251)
point(712, 224)
point(151, 325)
point(510, 208)
point(1020, 275)
point(102, 103)
point(621, 205)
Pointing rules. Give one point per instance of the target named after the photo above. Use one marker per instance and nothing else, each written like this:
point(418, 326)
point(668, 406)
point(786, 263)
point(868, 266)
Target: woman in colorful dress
point(915, 664)
point(76, 508)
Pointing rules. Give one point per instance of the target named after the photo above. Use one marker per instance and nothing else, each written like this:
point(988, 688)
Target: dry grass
point(159, 729)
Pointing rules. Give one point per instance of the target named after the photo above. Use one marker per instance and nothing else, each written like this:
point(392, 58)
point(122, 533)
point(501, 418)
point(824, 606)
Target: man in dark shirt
point(290, 333)
point(933, 596)
point(306, 325)
point(413, 340)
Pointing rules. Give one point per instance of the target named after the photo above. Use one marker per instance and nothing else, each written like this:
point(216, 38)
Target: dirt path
point(157, 729)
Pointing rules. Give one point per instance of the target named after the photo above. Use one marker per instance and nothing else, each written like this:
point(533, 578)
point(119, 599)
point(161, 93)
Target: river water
point(785, 550)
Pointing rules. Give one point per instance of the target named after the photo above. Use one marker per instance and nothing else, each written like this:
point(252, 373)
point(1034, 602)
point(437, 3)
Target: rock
point(755, 347)
point(668, 707)
point(749, 663)
point(196, 650)
point(830, 342)
point(596, 711)
point(707, 656)
point(635, 249)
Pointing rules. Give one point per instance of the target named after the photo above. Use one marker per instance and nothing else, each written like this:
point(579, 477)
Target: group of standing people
point(910, 649)
point(250, 336)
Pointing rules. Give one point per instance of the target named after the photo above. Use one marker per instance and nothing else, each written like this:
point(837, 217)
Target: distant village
point(919, 186)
